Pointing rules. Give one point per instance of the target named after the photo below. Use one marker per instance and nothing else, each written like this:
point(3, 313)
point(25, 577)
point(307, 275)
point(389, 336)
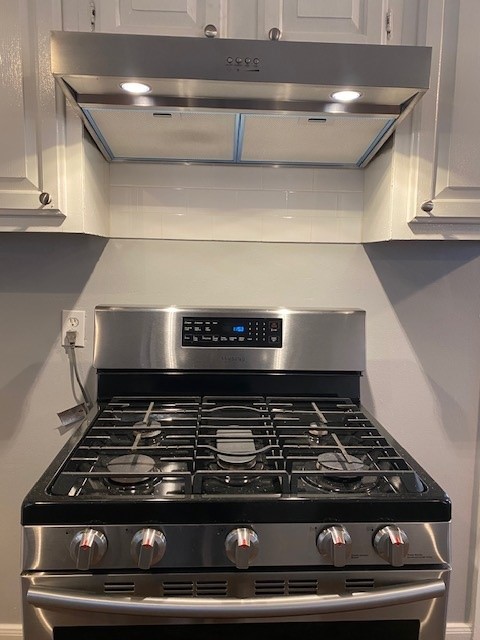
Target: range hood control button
point(229, 60)
point(148, 547)
point(87, 548)
point(335, 544)
point(241, 546)
point(391, 544)
point(238, 60)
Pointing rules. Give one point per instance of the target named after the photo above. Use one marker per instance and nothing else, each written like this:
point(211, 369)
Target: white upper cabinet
point(29, 151)
point(448, 177)
point(356, 21)
point(427, 185)
point(148, 17)
point(51, 176)
point(362, 21)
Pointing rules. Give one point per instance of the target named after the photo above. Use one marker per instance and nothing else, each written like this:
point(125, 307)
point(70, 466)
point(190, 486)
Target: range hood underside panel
point(183, 136)
point(337, 140)
point(163, 135)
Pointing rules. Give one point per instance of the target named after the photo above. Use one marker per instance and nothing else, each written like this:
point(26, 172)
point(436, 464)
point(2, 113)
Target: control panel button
point(256, 61)
point(229, 60)
point(238, 60)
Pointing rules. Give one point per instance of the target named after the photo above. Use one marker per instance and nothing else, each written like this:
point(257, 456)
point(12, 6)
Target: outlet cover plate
point(73, 320)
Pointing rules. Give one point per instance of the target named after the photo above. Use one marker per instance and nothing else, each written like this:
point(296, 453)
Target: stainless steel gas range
point(229, 479)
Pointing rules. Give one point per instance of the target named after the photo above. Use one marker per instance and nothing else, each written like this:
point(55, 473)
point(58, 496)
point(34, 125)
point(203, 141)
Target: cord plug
point(71, 338)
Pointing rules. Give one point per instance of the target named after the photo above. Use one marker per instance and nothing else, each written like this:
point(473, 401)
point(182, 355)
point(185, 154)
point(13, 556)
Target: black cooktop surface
point(251, 456)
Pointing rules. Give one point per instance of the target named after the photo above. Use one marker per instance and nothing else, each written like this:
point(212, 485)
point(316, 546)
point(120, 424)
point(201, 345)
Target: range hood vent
point(242, 102)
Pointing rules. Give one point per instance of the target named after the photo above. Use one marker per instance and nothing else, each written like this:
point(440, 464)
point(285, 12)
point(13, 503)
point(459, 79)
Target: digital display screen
point(238, 328)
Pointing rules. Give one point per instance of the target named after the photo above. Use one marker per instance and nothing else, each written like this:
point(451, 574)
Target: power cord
point(71, 337)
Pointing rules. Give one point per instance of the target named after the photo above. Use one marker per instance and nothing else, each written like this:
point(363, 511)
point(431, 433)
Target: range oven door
point(394, 604)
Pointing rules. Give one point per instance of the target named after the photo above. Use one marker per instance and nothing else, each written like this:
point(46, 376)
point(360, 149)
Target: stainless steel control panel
point(231, 332)
point(207, 545)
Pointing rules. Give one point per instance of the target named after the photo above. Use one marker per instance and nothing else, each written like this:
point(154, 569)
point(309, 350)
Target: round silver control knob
point(391, 544)
point(87, 548)
point(241, 546)
point(335, 544)
point(148, 547)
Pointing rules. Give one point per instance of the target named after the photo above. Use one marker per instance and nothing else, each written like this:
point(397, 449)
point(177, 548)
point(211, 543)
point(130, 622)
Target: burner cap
point(130, 463)
point(336, 461)
point(236, 448)
point(230, 463)
point(154, 424)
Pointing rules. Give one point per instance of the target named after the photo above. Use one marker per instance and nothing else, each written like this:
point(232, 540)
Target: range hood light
point(346, 96)
point(136, 87)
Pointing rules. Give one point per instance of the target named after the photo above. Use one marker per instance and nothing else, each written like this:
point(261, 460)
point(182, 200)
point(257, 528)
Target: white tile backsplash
point(283, 227)
point(339, 180)
point(261, 201)
point(312, 202)
point(229, 225)
point(350, 205)
point(210, 200)
point(283, 178)
point(263, 204)
point(187, 226)
point(160, 200)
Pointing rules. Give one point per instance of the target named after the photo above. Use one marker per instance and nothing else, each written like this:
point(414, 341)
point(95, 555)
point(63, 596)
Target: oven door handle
point(44, 598)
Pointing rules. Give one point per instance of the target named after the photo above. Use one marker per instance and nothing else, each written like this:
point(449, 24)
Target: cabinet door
point(150, 17)
point(360, 21)
point(29, 131)
point(448, 149)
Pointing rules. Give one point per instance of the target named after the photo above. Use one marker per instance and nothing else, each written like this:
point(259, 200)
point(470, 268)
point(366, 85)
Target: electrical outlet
point(74, 320)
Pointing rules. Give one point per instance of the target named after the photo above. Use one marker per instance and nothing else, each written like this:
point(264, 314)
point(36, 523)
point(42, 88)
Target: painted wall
point(423, 340)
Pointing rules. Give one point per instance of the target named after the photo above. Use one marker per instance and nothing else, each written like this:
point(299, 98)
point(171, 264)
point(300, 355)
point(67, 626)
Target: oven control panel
point(231, 332)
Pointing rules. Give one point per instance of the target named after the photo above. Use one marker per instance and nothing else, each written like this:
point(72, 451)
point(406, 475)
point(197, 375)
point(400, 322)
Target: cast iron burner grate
point(181, 447)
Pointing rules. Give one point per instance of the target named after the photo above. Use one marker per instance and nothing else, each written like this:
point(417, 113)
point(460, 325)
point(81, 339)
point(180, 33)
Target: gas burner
point(344, 483)
point(316, 435)
point(236, 452)
point(235, 477)
point(338, 461)
point(236, 449)
point(130, 463)
point(146, 438)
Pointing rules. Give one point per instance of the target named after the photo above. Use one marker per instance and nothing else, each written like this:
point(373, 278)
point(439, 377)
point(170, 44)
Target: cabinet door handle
point(45, 198)
point(427, 206)
point(211, 31)
point(274, 34)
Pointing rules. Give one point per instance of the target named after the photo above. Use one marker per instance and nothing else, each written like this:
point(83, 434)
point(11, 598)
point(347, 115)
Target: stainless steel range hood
point(238, 101)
